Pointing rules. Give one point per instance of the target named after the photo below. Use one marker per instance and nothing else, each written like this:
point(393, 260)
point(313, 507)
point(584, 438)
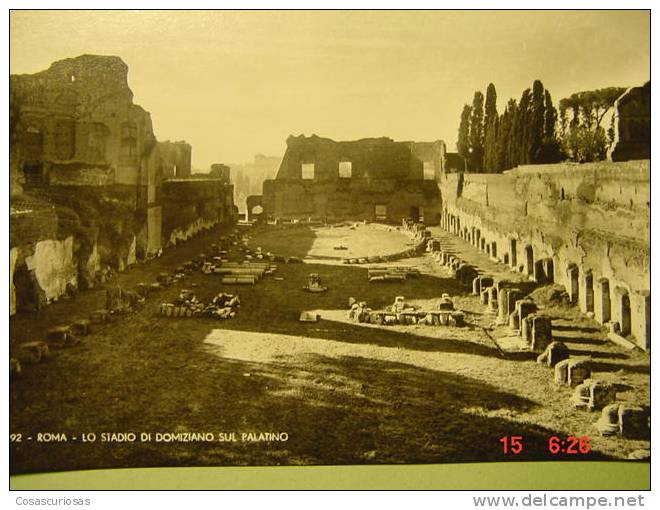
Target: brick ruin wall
point(632, 121)
point(194, 205)
point(586, 227)
point(176, 159)
point(382, 172)
point(86, 178)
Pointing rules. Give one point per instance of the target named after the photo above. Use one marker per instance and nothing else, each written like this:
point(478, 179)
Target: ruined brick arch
point(255, 207)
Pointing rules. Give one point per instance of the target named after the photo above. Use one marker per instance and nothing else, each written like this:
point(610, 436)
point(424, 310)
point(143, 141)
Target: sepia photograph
point(328, 238)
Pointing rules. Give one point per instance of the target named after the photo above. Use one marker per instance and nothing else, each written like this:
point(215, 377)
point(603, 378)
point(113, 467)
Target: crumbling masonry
point(89, 181)
point(369, 179)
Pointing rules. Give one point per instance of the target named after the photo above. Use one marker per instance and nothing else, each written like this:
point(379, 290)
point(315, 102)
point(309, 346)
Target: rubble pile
point(392, 273)
point(222, 306)
point(403, 313)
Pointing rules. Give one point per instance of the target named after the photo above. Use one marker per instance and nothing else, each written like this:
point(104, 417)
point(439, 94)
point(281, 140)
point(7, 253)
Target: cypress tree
point(477, 132)
point(537, 121)
point(463, 143)
point(490, 124)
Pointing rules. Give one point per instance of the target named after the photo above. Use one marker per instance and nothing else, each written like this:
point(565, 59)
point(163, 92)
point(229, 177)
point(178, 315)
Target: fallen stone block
point(553, 354)
point(309, 317)
point(578, 371)
point(571, 372)
point(456, 319)
point(633, 422)
point(59, 336)
point(142, 289)
point(593, 394)
point(608, 423)
point(99, 317)
point(81, 327)
point(32, 352)
point(164, 279)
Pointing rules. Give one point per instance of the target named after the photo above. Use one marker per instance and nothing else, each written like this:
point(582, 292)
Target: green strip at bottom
point(487, 476)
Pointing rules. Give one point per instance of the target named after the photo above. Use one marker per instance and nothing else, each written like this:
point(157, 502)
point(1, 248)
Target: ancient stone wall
point(193, 205)
point(176, 159)
point(586, 227)
point(632, 125)
point(86, 178)
point(372, 179)
point(80, 111)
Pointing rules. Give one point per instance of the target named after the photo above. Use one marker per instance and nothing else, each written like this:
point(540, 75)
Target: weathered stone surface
point(384, 181)
point(541, 332)
point(553, 354)
point(632, 125)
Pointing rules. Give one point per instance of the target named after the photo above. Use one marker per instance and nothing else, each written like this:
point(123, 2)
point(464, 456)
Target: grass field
point(342, 392)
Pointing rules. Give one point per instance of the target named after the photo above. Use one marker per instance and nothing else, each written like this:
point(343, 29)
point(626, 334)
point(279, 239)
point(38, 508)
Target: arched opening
point(513, 258)
point(573, 283)
point(604, 309)
point(414, 214)
point(539, 271)
point(488, 248)
point(625, 314)
point(529, 260)
point(506, 258)
point(549, 269)
point(483, 244)
point(28, 297)
point(493, 249)
point(589, 292)
point(563, 195)
point(477, 242)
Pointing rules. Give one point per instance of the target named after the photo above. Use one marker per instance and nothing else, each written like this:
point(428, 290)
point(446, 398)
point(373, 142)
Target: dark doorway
point(34, 174)
point(589, 292)
point(625, 315)
point(414, 214)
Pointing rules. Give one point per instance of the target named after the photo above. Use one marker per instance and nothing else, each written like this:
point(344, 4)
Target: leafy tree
point(581, 114)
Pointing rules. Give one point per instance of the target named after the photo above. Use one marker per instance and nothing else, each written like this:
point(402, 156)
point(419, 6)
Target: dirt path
point(341, 392)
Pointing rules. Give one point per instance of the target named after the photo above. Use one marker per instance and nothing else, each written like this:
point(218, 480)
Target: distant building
point(371, 179)
point(454, 162)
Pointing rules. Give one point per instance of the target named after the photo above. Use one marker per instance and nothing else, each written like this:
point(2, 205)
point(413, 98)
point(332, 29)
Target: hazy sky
point(234, 84)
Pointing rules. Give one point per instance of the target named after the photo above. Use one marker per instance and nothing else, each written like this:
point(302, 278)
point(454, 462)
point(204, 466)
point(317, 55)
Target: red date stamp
point(571, 445)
